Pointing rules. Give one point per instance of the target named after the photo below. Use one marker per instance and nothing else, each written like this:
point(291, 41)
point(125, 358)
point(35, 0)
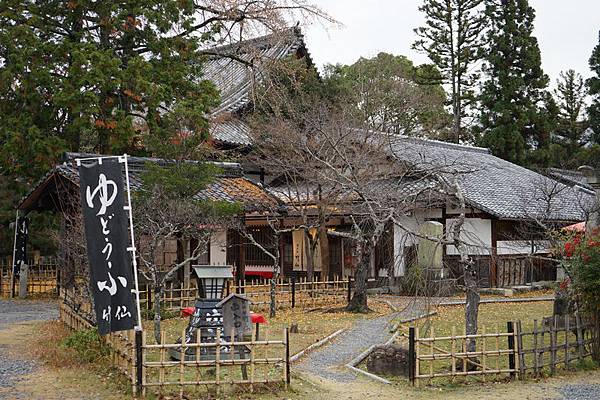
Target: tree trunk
point(157, 319)
point(308, 248)
point(273, 289)
point(471, 306)
point(358, 302)
point(324, 245)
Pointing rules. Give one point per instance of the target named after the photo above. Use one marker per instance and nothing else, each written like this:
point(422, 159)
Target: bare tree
point(161, 214)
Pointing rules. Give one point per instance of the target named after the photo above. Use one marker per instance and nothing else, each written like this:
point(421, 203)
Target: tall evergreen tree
point(514, 103)
point(570, 93)
point(593, 85)
point(451, 38)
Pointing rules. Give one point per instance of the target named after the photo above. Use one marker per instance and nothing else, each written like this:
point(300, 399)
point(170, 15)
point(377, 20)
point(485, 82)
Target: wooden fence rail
point(43, 279)
point(289, 293)
point(516, 351)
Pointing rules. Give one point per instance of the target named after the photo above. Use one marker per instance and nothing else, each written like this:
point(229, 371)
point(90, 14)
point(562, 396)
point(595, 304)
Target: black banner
point(22, 228)
point(102, 201)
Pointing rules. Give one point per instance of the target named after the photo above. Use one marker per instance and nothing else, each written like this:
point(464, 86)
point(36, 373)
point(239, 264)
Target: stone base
point(388, 360)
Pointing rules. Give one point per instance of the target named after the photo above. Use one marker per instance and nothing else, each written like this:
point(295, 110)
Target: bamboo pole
point(417, 354)
point(453, 351)
point(536, 367)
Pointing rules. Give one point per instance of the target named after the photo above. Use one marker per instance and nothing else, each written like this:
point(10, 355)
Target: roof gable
point(497, 186)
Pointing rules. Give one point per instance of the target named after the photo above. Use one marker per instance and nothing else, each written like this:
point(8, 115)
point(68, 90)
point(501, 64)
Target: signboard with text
point(106, 232)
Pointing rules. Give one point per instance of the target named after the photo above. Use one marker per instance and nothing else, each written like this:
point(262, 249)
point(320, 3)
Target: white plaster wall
point(515, 247)
point(403, 238)
point(218, 248)
point(476, 232)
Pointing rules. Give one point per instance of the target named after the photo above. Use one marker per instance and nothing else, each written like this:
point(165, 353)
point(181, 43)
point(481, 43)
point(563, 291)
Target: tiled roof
point(568, 177)
point(233, 131)
point(229, 186)
point(497, 186)
point(236, 80)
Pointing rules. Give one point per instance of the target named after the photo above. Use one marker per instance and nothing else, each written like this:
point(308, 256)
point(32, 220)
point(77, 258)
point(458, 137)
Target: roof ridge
point(291, 31)
point(440, 143)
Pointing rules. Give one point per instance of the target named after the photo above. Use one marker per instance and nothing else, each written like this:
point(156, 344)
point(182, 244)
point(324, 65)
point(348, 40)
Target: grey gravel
point(11, 312)
point(581, 392)
point(329, 361)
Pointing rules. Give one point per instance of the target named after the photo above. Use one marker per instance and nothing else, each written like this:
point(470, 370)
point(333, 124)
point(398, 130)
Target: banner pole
point(138, 327)
point(12, 266)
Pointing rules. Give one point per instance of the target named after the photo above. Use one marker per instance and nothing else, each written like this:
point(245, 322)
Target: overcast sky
point(567, 31)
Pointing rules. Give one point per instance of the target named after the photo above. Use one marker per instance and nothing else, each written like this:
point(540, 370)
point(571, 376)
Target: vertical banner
point(20, 253)
point(105, 220)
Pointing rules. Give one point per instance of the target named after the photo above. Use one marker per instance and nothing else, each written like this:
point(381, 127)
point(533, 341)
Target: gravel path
point(328, 361)
point(581, 392)
point(16, 311)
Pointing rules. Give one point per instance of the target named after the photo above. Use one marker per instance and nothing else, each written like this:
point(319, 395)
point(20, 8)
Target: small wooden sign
point(236, 315)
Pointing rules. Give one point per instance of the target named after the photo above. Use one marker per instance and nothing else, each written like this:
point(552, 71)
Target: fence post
point(520, 350)
point(287, 355)
point(411, 354)
point(138, 361)
point(293, 291)
point(511, 345)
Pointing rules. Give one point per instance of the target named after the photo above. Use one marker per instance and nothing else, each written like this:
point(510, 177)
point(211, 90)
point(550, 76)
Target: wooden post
point(579, 337)
point(417, 366)
point(218, 361)
point(536, 366)
point(511, 346)
point(520, 350)
point(293, 291)
point(567, 317)
point(287, 356)
point(483, 352)
point(138, 362)
point(553, 344)
point(453, 351)
point(411, 354)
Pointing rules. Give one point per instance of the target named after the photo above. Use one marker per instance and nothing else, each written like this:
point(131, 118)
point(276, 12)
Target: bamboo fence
point(289, 293)
point(247, 362)
point(556, 343)
point(43, 279)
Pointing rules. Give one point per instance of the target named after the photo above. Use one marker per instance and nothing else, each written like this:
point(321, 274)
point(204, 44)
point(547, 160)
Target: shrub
point(582, 263)
point(87, 344)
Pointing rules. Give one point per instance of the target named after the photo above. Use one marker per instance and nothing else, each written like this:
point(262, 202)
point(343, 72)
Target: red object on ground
point(257, 318)
point(187, 311)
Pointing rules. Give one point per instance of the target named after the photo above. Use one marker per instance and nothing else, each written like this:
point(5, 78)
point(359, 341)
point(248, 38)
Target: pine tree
point(89, 75)
point(593, 85)
point(570, 93)
point(513, 100)
point(451, 38)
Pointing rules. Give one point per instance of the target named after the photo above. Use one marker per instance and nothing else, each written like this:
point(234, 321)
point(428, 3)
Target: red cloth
point(257, 318)
point(254, 317)
point(262, 274)
point(187, 311)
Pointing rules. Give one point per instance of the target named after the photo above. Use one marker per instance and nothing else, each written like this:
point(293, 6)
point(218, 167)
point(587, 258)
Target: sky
point(567, 31)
